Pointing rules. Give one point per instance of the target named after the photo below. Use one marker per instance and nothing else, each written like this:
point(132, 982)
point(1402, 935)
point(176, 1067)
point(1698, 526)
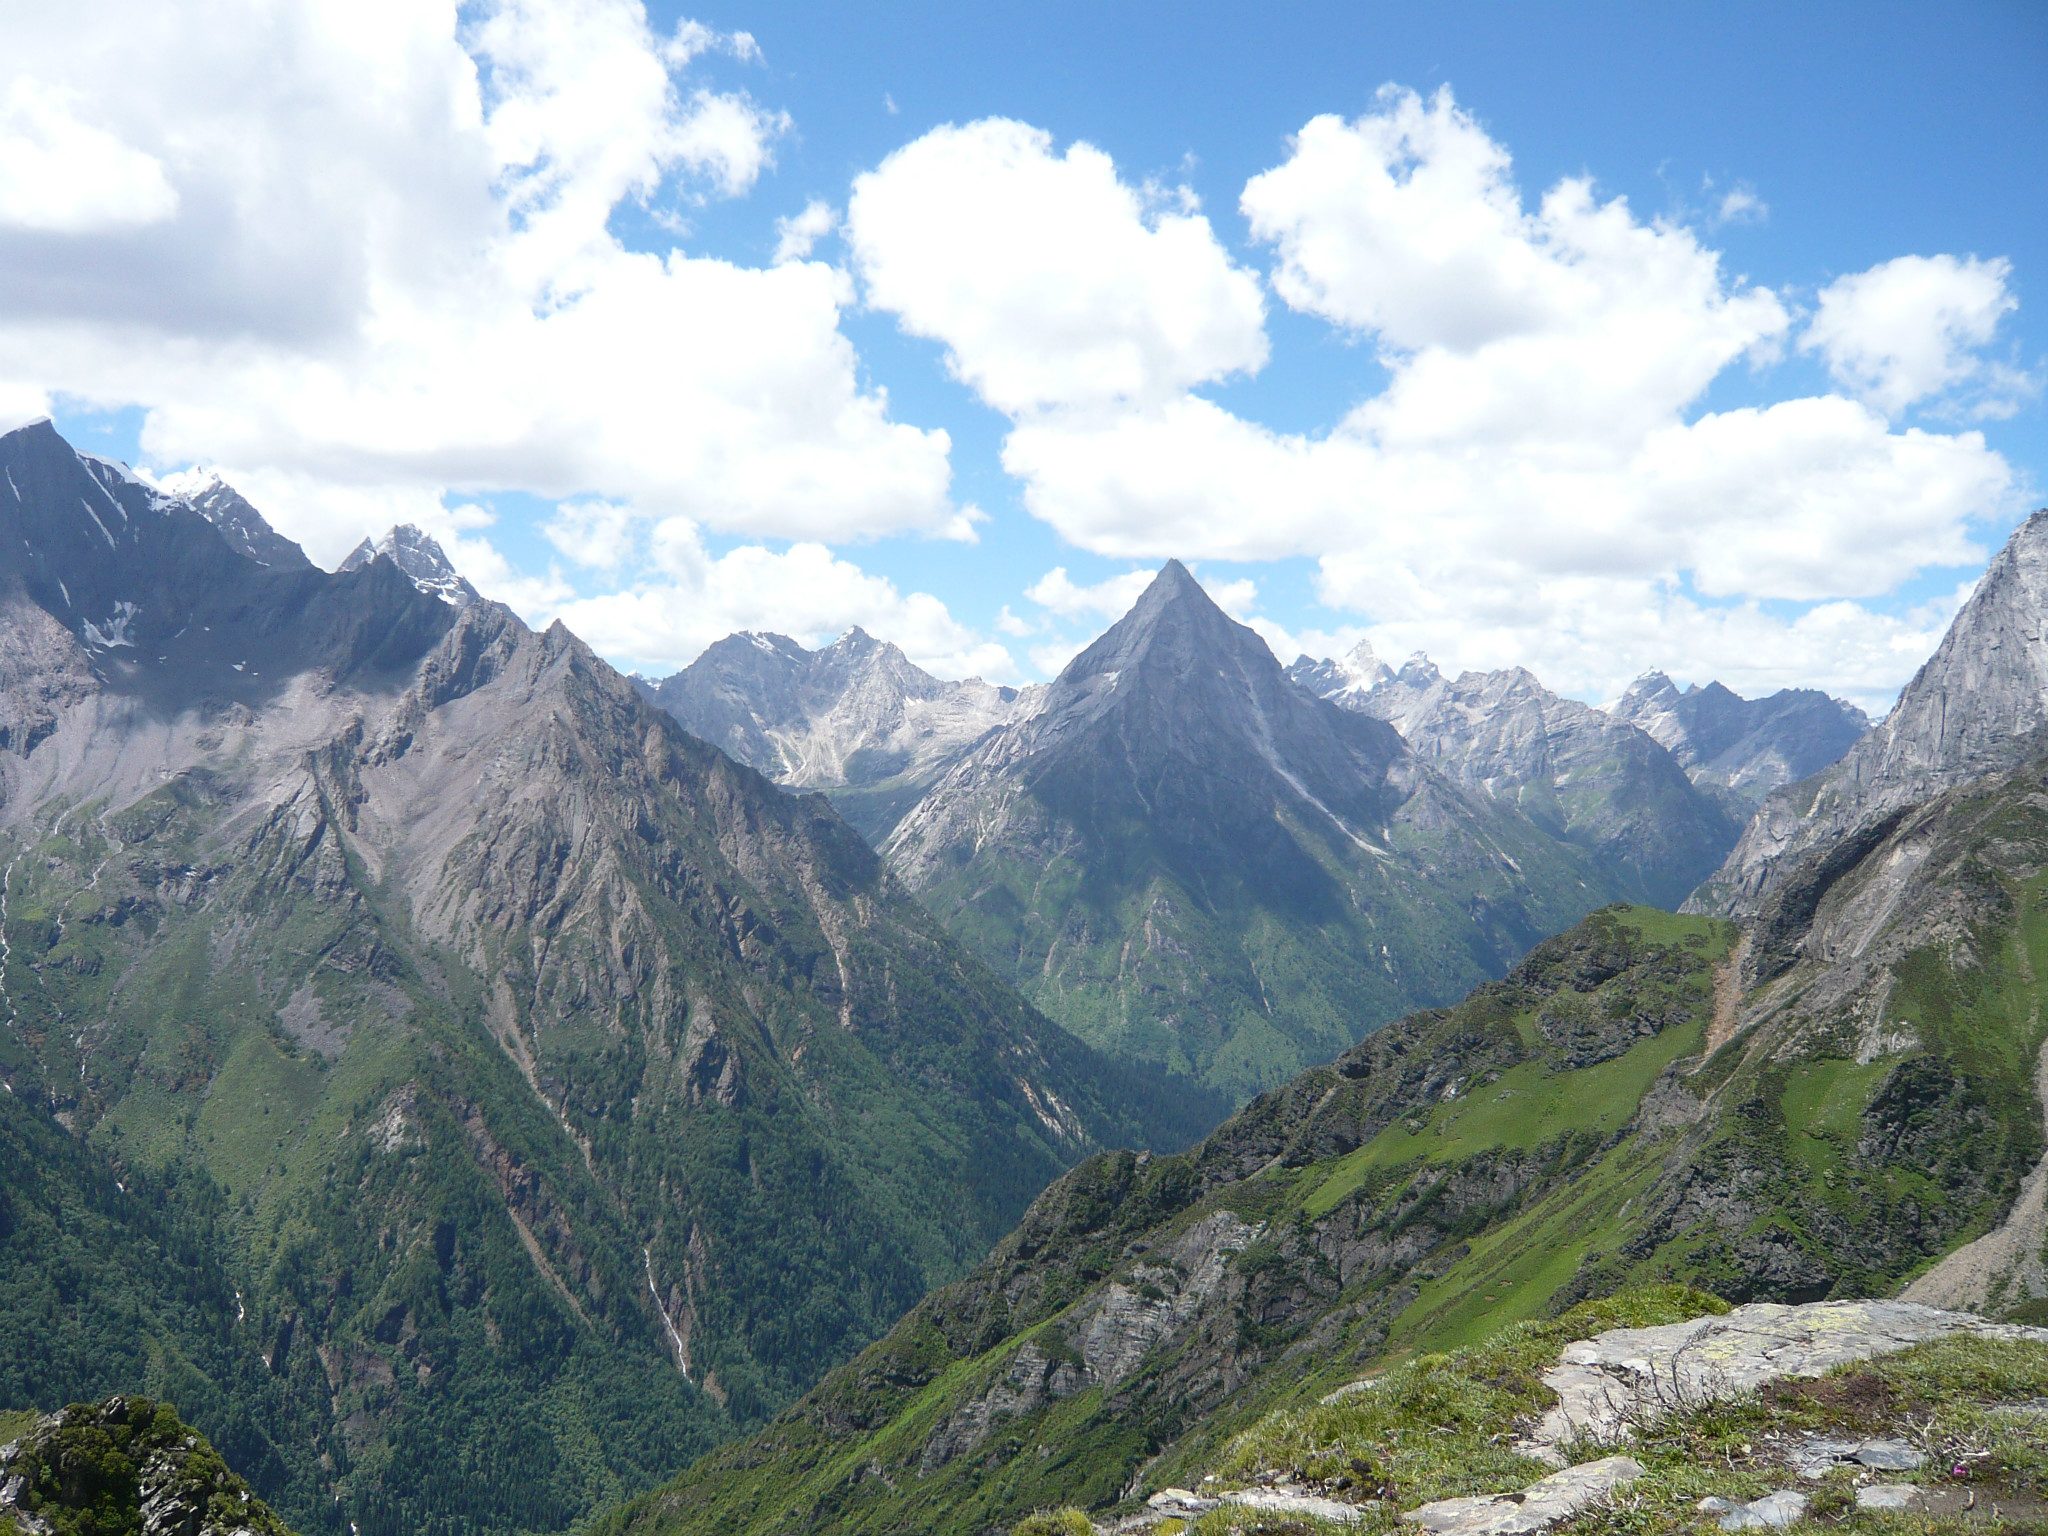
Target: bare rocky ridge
point(653, 1065)
point(1975, 708)
point(1581, 775)
point(855, 719)
point(1747, 747)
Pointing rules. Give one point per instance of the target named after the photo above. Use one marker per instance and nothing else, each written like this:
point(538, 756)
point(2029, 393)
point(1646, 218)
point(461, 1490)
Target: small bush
point(1055, 1522)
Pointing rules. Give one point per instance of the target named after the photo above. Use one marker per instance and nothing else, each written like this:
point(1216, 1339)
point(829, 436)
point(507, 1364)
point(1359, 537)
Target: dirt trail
point(1727, 996)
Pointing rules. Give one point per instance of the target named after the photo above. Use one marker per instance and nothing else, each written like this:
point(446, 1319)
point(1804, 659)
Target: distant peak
point(1418, 671)
point(420, 558)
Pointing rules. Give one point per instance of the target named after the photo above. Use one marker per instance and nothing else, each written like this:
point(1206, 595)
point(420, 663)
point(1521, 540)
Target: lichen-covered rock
point(125, 1467)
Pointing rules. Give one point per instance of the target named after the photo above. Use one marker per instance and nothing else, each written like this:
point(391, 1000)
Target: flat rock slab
point(1628, 1376)
point(1542, 1504)
point(1816, 1458)
point(1783, 1507)
point(1285, 1501)
point(1889, 1496)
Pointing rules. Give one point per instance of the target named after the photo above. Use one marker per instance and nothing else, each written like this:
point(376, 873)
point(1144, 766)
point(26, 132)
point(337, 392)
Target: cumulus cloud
point(1534, 484)
point(1049, 280)
point(1109, 599)
point(384, 268)
point(689, 597)
point(1910, 328)
point(64, 176)
point(796, 237)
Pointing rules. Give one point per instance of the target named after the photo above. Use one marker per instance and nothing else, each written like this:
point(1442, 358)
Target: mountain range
point(475, 1095)
point(1151, 847)
point(465, 1092)
point(856, 719)
point(1184, 858)
point(1837, 1092)
point(1583, 776)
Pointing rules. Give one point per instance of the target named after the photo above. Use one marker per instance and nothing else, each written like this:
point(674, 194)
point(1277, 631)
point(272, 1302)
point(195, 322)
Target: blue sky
point(1851, 135)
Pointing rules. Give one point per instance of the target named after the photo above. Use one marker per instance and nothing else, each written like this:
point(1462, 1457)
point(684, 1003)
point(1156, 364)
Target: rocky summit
point(1745, 747)
point(466, 1092)
point(420, 560)
point(1582, 776)
point(855, 719)
point(1186, 859)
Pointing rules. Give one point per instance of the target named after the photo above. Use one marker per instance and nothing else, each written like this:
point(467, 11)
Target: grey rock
point(1172, 1499)
point(1890, 1456)
point(420, 560)
point(1290, 1501)
point(1542, 1504)
point(1781, 1508)
point(1889, 1496)
point(1584, 776)
point(1816, 1458)
point(1747, 747)
point(1629, 1376)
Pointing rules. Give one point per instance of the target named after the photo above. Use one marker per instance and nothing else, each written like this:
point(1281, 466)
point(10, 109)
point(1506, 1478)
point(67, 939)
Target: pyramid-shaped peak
point(1174, 587)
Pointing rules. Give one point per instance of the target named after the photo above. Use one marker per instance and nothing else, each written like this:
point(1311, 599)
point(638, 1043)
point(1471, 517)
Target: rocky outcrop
point(1583, 776)
point(1745, 747)
point(1627, 1378)
point(125, 1464)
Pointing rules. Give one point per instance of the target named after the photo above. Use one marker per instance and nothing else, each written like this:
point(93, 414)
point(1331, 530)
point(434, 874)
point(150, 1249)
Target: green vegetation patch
point(87, 1470)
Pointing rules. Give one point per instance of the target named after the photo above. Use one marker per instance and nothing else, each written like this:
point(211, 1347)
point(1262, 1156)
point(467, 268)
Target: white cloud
point(795, 237)
point(1050, 281)
point(64, 176)
point(597, 534)
point(390, 272)
point(1109, 599)
point(1535, 484)
point(1910, 328)
point(1741, 205)
point(690, 598)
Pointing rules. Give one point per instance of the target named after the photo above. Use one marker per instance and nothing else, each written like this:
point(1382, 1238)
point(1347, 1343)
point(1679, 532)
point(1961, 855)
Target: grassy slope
point(442, 1296)
point(849, 1460)
point(1239, 987)
point(1401, 1212)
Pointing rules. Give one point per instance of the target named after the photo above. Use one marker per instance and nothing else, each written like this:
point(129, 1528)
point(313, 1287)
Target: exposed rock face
point(1579, 774)
point(856, 719)
point(574, 1064)
point(126, 1463)
point(229, 511)
point(1185, 858)
point(1747, 747)
point(419, 559)
point(1974, 709)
